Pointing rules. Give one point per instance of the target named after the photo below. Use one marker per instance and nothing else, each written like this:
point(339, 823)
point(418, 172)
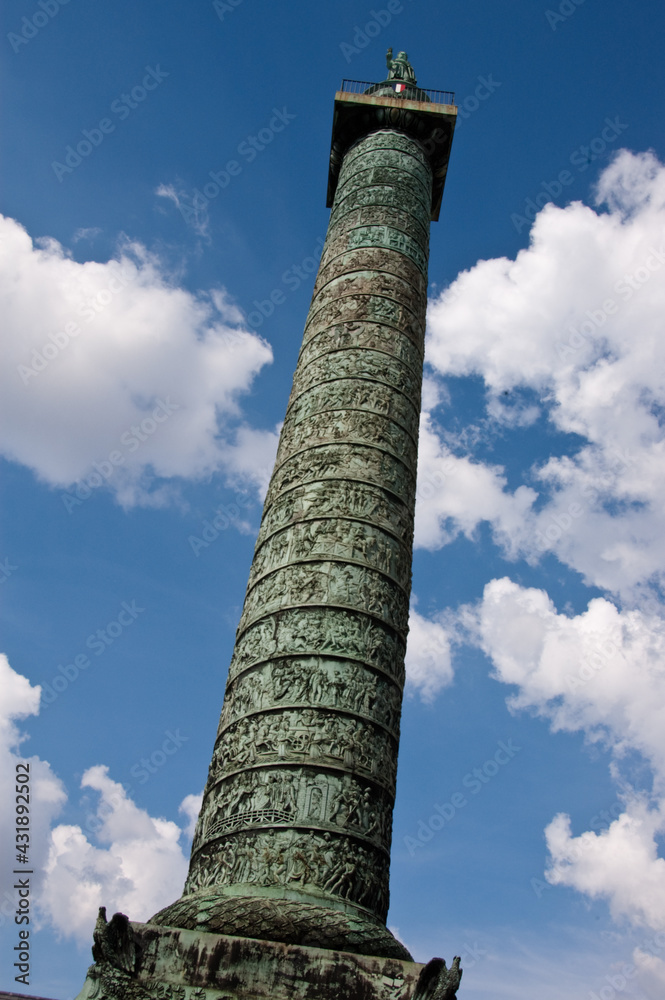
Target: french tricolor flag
point(399, 87)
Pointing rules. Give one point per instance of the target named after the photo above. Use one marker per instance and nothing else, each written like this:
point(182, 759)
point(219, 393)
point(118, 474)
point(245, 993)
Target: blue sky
point(151, 335)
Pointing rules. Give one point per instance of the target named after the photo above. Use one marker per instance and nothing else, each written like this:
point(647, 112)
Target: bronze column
point(293, 839)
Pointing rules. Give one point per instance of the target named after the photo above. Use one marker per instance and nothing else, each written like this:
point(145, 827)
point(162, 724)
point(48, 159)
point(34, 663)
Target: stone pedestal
point(145, 962)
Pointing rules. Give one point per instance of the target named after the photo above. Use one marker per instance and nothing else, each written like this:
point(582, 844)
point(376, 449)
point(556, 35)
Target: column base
point(278, 914)
point(145, 961)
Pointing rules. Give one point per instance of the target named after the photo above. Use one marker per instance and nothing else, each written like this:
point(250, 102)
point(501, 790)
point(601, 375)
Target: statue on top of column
point(400, 68)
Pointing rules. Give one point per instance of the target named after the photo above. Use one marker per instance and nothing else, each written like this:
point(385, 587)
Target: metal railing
point(435, 96)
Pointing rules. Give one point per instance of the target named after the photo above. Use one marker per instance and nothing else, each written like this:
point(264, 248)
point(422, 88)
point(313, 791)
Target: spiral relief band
point(297, 812)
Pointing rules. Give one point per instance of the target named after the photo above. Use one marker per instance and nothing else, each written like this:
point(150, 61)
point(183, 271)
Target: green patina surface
point(144, 962)
point(299, 800)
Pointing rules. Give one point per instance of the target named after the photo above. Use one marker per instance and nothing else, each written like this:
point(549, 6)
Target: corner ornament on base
point(146, 962)
point(437, 982)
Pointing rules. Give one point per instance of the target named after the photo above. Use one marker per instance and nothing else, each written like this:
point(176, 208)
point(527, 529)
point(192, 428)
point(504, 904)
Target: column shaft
point(298, 805)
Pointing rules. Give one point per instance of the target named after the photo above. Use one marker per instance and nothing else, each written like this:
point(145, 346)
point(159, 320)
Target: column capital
point(380, 107)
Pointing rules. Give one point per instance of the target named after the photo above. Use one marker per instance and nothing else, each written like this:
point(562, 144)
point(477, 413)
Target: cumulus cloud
point(620, 864)
point(136, 863)
point(428, 661)
point(191, 807)
point(141, 870)
point(113, 373)
point(454, 494)
point(19, 700)
point(576, 321)
point(650, 972)
point(250, 456)
point(602, 673)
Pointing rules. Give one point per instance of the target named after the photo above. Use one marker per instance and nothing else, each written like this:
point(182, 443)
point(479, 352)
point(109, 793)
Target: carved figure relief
point(398, 196)
point(266, 797)
point(359, 500)
point(408, 171)
point(346, 291)
point(326, 583)
point(354, 395)
point(367, 282)
point(343, 461)
point(319, 862)
point(301, 785)
point(390, 238)
point(375, 336)
point(319, 681)
point(361, 363)
point(316, 631)
point(363, 259)
point(302, 736)
point(366, 307)
point(334, 538)
point(353, 426)
point(368, 168)
point(395, 219)
point(376, 215)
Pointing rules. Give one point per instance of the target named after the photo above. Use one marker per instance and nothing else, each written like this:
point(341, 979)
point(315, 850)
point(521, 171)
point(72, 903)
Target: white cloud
point(454, 495)
point(428, 663)
point(601, 673)
point(576, 319)
point(193, 209)
point(137, 864)
point(250, 457)
point(191, 807)
point(650, 972)
point(142, 869)
point(19, 700)
point(86, 233)
point(114, 372)
point(620, 864)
